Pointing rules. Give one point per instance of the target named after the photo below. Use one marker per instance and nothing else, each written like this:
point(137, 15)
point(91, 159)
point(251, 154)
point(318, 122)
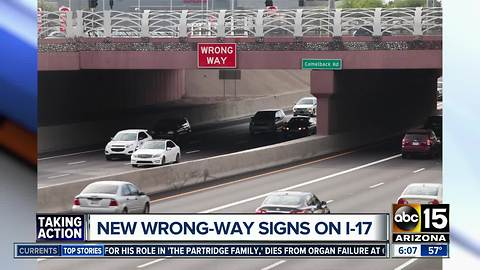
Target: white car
point(111, 197)
point(156, 152)
point(422, 193)
point(306, 106)
point(125, 142)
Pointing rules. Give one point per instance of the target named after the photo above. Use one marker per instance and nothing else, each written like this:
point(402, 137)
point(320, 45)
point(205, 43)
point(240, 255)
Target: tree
point(412, 3)
point(46, 6)
point(361, 4)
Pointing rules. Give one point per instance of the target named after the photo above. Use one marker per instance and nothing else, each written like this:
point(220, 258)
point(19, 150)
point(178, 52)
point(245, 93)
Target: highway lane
point(217, 139)
point(351, 181)
point(224, 138)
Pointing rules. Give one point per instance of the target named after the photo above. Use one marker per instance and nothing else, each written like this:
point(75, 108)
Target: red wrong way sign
point(217, 55)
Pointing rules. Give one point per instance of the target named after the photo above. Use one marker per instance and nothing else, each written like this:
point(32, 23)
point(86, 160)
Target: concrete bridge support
point(362, 99)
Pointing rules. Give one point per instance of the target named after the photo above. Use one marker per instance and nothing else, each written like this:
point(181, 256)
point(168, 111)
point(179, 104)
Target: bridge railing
point(241, 23)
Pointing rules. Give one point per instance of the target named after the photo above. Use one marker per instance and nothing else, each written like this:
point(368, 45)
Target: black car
point(434, 123)
point(300, 126)
point(171, 128)
point(267, 121)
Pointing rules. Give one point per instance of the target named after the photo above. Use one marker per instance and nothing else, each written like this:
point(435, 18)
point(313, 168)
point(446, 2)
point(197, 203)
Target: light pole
point(331, 4)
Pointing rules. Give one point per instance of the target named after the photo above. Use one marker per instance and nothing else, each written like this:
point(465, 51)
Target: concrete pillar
point(322, 83)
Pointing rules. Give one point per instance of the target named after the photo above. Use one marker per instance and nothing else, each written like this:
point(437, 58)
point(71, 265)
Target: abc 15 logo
point(420, 218)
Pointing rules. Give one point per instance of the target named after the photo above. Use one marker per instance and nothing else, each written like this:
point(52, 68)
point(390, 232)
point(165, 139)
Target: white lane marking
point(330, 201)
point(58, 176)
point(193, 151)
point(78, 162)
point(301, 184)
point(419, 170)
point(273, 265)
point(72, 154)
point(291, 187)
point(405, 264)
point(41, 259)
point(152, 262)
point(376, 185)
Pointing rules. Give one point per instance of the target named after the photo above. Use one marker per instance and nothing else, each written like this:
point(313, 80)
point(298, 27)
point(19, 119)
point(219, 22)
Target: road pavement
point(224, 138)
point(364, 181)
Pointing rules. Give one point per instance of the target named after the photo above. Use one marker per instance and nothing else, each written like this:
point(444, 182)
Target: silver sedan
point(111, 197)
point(293, 202)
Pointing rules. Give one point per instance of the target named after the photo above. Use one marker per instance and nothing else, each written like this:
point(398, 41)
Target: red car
point(421, 142)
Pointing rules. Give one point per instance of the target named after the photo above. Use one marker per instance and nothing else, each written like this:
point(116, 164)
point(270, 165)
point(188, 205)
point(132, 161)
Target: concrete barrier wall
point(58, 198)
point(85, 134)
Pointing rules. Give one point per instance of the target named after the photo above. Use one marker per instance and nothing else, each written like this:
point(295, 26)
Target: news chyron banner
point(209, 235)
point(420, 230)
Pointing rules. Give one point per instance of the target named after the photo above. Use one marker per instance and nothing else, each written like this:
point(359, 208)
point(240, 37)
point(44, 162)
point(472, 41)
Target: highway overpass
point(387, 76)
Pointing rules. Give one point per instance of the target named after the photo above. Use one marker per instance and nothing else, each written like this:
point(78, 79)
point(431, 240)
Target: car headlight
point(135, 156)
point(170, 132)
point(157, 155)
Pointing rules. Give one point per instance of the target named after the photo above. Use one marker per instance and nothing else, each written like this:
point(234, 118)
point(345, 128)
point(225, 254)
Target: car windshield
point(264, 115)
point(125, 136)
point(283, 200)
point(101, 188)
point(305, 101)
point(422, 190)
point(154, 145)
point(416, 137)
point(299, 120)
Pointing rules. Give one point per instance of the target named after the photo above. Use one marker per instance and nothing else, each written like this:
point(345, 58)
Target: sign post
point(217, 55)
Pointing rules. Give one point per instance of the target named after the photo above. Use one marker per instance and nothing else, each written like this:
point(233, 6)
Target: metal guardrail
point(241, 23)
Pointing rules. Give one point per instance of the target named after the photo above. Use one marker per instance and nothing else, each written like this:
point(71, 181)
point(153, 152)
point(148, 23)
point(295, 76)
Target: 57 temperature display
point(434, 250)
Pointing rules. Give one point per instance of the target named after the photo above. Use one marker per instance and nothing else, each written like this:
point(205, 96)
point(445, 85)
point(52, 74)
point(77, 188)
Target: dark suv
point(267, 121)
point(421, 142)
point(171, 128)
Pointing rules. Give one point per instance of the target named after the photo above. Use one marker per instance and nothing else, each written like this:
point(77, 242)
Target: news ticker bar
point(419, 250)
point(366, 250)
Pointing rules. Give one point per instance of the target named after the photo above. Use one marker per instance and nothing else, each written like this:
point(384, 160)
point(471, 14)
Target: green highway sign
point(325, 64)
